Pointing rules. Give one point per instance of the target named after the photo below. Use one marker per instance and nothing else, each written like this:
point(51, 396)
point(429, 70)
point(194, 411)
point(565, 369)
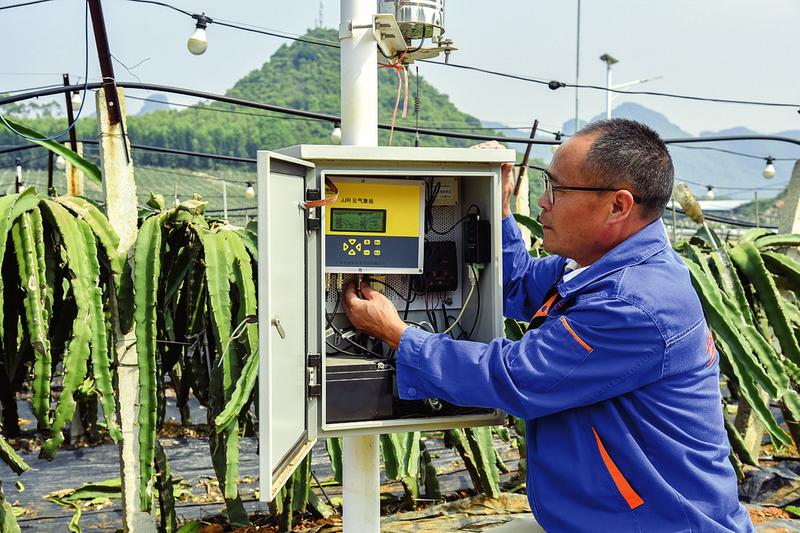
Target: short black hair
point(629, 154)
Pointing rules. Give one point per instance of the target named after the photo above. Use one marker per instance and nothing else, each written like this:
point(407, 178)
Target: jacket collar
point(640, 246)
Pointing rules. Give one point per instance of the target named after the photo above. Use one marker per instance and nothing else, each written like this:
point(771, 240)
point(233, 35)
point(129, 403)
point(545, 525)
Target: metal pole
point(755, 199)
point(608, 86)
point(18, 175)
point(674, 222)
point(225, 200)
point(359, 92)
point(359, 72)
point(577, 62)
point(73, 138)
point(104, 55)
point(50, 161)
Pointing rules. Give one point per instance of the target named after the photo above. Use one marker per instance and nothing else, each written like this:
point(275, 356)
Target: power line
point(190, 175)
point(733, 152)
point(219, 110)
point(335, 118)
point(552, 84)
point(220, 22)
point(13, 91)
point(24, 4)
point(722, 187)
point(85, 84)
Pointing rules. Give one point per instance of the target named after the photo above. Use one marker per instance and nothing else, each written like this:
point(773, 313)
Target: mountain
point(155, 102)
point(696, 164)
point(298, 75)
point(715, 168)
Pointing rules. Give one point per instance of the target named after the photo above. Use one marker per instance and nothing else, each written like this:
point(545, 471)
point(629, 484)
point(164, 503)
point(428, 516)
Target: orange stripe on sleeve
point(630, 495)
point(545, 308)
point(575, 335)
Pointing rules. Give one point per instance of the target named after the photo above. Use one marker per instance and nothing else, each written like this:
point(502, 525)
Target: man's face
point(574, 225)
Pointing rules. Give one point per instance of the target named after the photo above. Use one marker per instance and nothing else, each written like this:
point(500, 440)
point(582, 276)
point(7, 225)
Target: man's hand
point(509, 182)
point(373, 313)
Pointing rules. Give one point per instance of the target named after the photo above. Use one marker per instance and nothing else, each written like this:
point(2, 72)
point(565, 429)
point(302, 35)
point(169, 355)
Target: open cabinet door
point(289, 338)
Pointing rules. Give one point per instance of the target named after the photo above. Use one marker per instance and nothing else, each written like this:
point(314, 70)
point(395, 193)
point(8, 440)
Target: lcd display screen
point(358, 220)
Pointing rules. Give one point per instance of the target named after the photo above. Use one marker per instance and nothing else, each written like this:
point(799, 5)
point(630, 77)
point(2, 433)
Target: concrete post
point(790, 223)
point(119, 189)
point(790, 216)
point(75, 178)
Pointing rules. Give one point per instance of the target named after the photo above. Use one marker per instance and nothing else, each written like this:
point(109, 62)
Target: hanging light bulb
point(250, 192)
point(336, 134)
point(60, 163)
point(769, 170)
point(76, 99)
point(710, 194)
point(198, 43)
point(554, 147)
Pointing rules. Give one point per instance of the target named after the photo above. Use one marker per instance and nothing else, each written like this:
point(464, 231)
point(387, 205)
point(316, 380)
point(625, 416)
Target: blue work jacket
point(619, 387)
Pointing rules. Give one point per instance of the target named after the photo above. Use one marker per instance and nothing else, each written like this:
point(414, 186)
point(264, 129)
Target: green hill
point(302, 76)
point(298, 75)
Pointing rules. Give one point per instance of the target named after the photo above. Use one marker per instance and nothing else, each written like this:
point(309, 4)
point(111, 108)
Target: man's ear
point(622, 206)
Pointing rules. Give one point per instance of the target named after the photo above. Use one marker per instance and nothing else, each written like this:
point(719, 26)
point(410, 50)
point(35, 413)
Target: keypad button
point(358, 247)
point(366, 252)
point(344, 247)
point(367, 242)
point(377, 252)
point(351, 241)
point(377, 242)
point(351, 252)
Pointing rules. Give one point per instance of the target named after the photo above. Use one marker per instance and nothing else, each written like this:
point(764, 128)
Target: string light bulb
point(60, 163)
point(554, 147)
point(75, 99)
point(250, 192)
point(198, 43)
point(710, 194)
point(769, 170)
point(336, 134)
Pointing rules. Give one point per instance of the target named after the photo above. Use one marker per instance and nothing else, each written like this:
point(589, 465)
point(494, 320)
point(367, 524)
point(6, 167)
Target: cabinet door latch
point(314, 373)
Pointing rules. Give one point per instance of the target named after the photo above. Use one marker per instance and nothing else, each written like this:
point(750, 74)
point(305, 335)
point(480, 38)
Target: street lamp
point(769, 170)
point(610, 95)
point(710, 194)
point(609, 60)
point(250, 192)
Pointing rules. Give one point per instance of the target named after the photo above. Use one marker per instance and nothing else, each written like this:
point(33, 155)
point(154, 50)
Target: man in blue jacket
point(617, 375)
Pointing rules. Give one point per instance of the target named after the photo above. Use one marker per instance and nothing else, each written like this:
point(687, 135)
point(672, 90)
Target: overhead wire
point(552, 84)
point(733, 152)
point(85, 85)
point(23, 4)
point(220, 110)
point(334, 118)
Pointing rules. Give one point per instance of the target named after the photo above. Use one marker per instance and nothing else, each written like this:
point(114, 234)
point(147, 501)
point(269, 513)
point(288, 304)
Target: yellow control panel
point(375, 226)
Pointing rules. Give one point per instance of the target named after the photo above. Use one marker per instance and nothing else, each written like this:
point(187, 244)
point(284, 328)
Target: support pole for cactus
point(790, 223)
point(119, 188)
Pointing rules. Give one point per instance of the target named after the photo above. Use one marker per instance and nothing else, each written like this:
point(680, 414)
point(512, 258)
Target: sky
point(717, 48)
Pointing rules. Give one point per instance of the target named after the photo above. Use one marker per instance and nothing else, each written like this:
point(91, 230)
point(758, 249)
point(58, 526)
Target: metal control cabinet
point(292, 285)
